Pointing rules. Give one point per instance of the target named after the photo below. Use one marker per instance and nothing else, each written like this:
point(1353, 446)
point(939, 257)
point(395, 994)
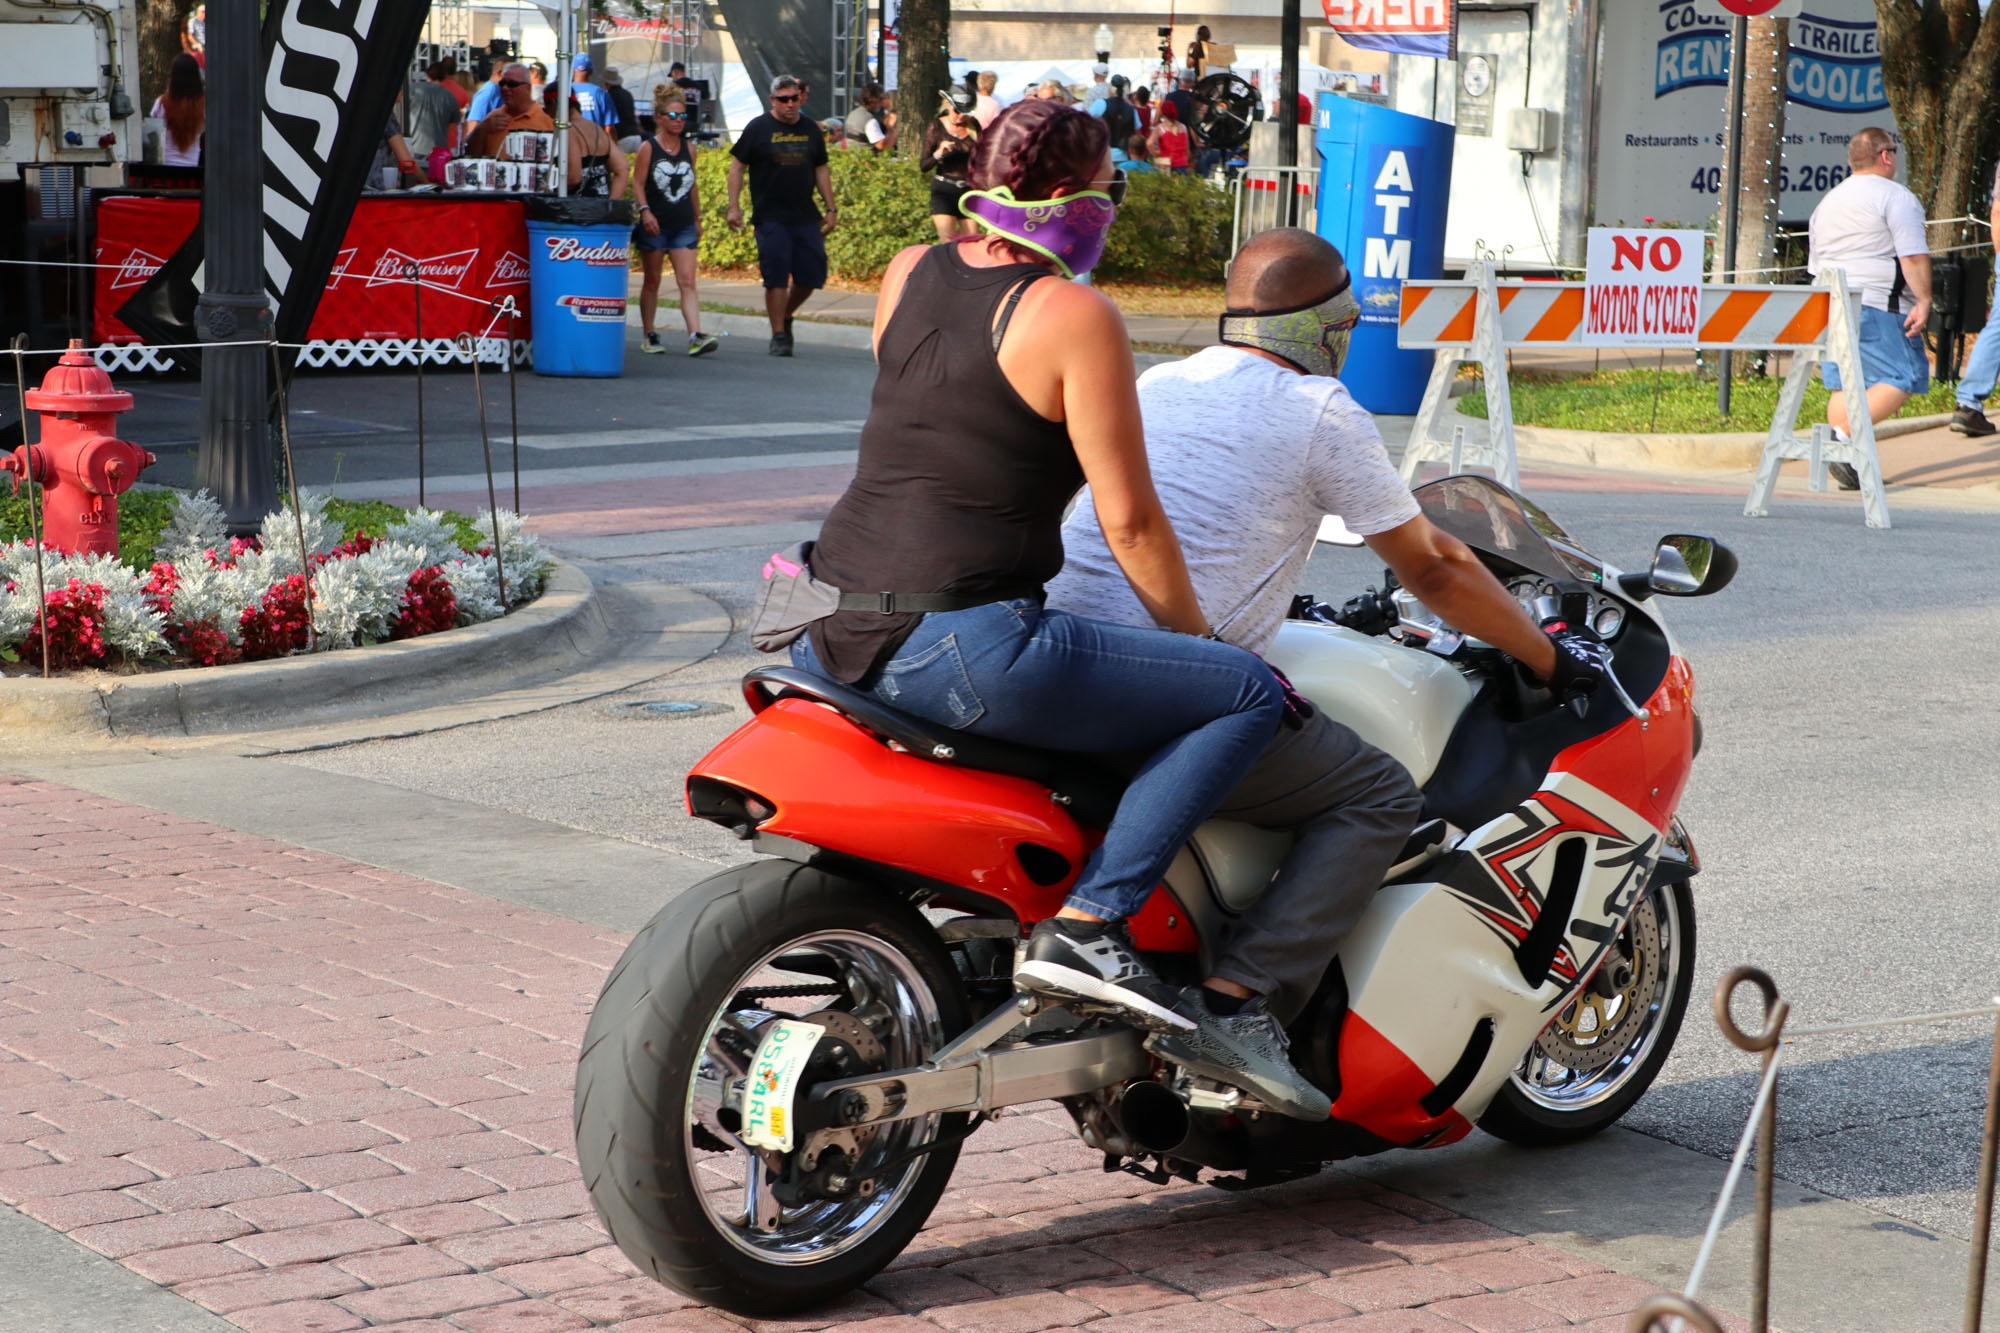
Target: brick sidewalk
point(311, 1095)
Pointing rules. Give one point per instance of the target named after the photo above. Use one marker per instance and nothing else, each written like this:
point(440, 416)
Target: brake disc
point(1594, 1029)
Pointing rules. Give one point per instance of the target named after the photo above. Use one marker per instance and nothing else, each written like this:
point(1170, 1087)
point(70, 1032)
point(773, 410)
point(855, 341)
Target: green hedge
point(1173, 228)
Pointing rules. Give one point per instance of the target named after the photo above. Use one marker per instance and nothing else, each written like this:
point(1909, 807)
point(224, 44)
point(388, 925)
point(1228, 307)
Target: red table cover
point(470, 252)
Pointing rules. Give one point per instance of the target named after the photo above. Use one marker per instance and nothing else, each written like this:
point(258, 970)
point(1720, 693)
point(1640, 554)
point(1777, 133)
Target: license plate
point(774, 1080)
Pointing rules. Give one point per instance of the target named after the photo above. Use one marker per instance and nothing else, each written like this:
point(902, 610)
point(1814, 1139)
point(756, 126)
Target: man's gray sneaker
point(1102, 969)
point(1247, 1049)
point(1971, 421)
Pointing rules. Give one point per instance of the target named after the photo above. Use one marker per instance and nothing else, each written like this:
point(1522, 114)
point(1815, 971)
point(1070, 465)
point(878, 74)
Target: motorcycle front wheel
point(669, 1047)
point(1603, 1050)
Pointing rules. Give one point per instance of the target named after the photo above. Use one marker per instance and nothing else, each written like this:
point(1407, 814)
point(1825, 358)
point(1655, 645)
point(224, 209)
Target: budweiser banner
point(332, 72)
point(478, 257)
point(1405, 27)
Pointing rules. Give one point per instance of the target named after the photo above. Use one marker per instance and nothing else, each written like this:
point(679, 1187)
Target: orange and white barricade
point(1478, 319)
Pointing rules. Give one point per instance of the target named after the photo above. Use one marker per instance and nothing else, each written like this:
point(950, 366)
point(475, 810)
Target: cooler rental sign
point(1642, 288)
point(1665, 72)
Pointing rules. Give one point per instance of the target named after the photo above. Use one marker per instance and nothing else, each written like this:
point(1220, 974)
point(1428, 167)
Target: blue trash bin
point(579, 261)
point(1384, 187)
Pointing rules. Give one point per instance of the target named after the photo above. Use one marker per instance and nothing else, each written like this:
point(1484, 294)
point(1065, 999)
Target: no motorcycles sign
point(1642, 288)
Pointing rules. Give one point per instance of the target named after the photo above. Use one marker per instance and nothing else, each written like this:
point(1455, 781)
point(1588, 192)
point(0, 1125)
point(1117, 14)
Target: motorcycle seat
point(1089, 786)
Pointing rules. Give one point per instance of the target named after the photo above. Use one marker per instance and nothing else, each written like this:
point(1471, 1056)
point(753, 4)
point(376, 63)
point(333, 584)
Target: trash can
point(1384, 186)
point(579, 264)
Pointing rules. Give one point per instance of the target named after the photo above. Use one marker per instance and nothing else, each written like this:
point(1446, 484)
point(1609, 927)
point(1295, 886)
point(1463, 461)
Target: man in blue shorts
point(784, 155)
point(1872, 228)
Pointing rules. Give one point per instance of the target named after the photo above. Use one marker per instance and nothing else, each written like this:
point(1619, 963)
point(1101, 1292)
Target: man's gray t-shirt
point(1247, 456)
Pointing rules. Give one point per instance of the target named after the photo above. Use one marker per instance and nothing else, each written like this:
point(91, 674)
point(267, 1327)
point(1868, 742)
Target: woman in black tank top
point(998, 393)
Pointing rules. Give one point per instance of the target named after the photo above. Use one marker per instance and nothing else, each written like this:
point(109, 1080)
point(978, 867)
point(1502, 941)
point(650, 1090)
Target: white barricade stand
point(1469, 330)
point(1476, 320)
point(1841, 345)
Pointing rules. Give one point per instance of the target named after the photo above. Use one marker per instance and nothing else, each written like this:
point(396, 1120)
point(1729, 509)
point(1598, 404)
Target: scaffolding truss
point(850, 53)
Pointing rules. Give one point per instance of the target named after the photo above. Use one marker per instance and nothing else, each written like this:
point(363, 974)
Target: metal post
point(1732, 185)
point(235, 463)
point(292, 481)
point(417, 296)
point(1982, 1212)
point(1288, 100)
point(1766, 1041)
point(513, 400)
point(486, 448)
point(34, 497)
point(565, 30)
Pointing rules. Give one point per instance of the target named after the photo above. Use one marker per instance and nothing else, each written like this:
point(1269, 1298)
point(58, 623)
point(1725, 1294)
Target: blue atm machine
point(1384, 185)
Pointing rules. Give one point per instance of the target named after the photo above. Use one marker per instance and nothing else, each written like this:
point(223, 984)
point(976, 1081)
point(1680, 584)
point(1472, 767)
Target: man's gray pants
point(1351, 808)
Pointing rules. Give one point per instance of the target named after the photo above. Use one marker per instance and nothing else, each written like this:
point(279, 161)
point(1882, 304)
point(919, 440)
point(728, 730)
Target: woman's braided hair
point(1038, 150)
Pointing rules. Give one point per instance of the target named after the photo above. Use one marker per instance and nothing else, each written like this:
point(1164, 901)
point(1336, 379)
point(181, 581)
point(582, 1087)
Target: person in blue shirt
point(486, 98)
point(592, 98)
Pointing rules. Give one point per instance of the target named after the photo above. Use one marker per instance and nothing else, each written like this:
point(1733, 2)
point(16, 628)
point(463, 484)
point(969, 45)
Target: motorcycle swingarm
point(974, 1073)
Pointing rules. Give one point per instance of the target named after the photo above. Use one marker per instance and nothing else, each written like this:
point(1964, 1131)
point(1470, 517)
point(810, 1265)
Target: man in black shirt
point(1118, 115)
point(784, 155)
point(625, 113)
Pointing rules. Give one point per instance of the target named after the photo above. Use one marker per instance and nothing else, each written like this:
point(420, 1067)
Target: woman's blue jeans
point(1017, 672)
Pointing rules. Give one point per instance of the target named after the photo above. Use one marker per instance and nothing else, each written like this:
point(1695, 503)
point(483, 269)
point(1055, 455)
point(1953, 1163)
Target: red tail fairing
point(832, 784)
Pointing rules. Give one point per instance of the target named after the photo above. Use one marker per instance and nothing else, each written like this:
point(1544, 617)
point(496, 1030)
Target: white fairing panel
point(1397, 699)
point(1429, 960)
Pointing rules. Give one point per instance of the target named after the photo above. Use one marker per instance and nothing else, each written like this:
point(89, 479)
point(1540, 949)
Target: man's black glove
point(1583, 660)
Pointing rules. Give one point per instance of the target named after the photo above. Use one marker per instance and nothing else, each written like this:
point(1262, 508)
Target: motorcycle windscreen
point(1496, 521)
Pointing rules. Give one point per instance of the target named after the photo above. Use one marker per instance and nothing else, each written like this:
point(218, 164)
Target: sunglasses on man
point(514, 83)
point(784, 97)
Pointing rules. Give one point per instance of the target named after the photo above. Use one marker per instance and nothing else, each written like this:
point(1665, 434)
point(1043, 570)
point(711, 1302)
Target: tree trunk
point(1763, 132)
point(923, 69)
point(1941, 66)
point(160, 25)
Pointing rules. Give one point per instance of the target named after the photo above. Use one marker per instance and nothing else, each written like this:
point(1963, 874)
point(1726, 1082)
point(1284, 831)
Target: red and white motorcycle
point(781, 1068)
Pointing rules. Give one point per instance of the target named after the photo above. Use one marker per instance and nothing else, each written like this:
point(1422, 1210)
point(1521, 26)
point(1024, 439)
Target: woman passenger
point(998, 394)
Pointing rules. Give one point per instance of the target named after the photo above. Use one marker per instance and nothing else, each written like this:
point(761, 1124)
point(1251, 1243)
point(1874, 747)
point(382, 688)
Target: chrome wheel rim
point(880, 988)
point(1596, 1044)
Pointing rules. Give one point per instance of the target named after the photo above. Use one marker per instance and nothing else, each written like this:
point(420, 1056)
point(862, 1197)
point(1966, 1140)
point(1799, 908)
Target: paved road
point(1841, 806)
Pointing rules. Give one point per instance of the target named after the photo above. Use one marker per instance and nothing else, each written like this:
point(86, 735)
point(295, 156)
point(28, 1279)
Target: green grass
point(1622, 400)
point(143, 516)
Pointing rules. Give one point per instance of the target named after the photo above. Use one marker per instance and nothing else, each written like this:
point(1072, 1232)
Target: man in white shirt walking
point(1872, 228)
point(1250, 445)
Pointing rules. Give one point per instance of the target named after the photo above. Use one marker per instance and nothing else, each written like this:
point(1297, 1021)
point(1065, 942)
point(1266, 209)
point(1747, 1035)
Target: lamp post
point(1103, 40)
point(236, 462)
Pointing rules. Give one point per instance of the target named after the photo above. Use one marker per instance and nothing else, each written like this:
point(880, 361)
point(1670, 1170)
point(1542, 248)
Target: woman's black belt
point(926, 603)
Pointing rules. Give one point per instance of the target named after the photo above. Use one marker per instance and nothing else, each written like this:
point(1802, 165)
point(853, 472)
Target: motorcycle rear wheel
point(1564, 1090)
point(686, 1200)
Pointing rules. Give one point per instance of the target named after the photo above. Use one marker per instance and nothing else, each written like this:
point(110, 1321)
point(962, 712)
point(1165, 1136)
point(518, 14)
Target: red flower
point(279, 623)
point(204, 643)
point(75, 618)
point(429, 605)
point(160, 588)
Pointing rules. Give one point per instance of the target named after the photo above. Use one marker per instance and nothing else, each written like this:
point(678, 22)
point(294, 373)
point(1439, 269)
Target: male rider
point(1251, 443)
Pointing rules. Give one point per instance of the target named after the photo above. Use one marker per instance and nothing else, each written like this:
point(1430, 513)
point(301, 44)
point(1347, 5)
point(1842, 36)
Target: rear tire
point(640, 1144)
point(1538, 1107)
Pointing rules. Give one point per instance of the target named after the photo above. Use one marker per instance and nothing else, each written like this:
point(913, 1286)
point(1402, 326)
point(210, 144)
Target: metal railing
point(1669, 1312)
point(1263, 200)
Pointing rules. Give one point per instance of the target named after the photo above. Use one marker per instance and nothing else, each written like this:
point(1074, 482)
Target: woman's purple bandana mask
point(1069, 230)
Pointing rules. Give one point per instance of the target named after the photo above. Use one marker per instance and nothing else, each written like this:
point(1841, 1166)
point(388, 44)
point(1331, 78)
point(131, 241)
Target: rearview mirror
point(1687, 565)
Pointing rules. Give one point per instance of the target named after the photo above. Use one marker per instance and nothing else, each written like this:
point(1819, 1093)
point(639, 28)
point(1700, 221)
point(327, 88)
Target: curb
point(1732, 451)
point(564, 626)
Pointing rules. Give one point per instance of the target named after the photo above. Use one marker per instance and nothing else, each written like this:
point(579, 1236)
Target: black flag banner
point(331, 74)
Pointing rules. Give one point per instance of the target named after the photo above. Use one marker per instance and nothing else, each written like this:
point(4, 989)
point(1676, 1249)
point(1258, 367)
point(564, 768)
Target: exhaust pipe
point(1152, 1116)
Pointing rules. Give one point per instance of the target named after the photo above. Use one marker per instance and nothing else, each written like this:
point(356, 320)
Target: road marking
point(742, 430)
point(400, 488)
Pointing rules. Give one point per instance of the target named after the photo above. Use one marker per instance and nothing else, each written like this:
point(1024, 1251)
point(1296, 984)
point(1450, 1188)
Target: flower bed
point(209, 599)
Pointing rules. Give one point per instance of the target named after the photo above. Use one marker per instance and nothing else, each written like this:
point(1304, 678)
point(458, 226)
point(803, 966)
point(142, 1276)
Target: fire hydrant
point(81, 466)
